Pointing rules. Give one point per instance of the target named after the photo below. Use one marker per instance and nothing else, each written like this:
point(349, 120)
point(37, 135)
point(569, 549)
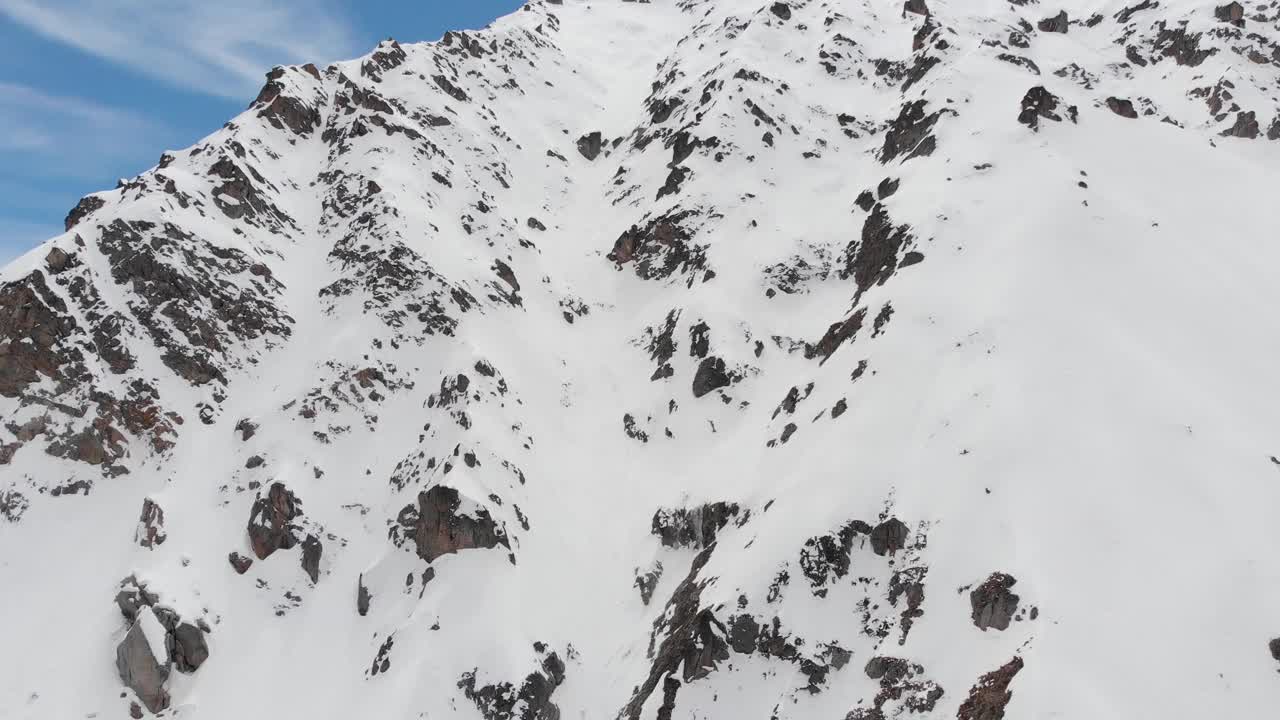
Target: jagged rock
point(532, 700)
point(283, 111)
point(142, 661)
point(589, 145)
point(439, 529)
point(661, 248)
point(270, 527)
point(133, 596)
point(536, 224)
point(1232, 12)
point(990, 695)
point(865, 200)
point(909, 134)
point(889, 536)
point(692, 527)
point(311, 552)
point(993, 604)
point(647, 582)
point(1057, 24)
point(782, 10)
point(915, 6)
point(87, 206)
point(150, 530)
point(239, 563)
point(187, 647)
point(58, 260)
point(1246, 126)
point(1182, 46)
point(1274, 647)
point(711, 375)
point(246, 428)
point(363, 597)
point(1123, 108)
point(1040, 103)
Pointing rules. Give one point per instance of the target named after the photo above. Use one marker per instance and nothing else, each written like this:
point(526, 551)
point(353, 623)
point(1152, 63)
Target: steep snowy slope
point(683, 359)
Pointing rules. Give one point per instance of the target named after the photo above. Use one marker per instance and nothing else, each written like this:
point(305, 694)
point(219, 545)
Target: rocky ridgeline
point(412, 267)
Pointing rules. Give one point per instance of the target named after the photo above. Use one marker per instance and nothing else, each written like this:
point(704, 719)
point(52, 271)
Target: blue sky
point(94, 90)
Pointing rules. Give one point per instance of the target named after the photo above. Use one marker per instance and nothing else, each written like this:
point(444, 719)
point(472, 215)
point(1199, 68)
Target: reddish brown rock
point(269, 521)
point(989, 697)
point(438, 528)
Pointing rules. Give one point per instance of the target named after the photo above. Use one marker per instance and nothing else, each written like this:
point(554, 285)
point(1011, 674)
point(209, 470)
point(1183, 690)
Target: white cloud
point(59, 135)
point(218, 48)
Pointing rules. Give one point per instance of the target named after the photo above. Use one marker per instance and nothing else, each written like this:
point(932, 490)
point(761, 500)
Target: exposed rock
point(142, 661)
point(915, 6)
point(246, 428)
point(439, 529)
point(187, 647)
point(535, 224)
point(1232, 12)
point(1182, 46)
point(909, 134)
point(589, 145)
point(150, 530)
point(1040, 103)
point(87, 206)
point(363, 597)
point(661, 248)
point(1274, 647)
point(239, 563)
point(1057, 24)
point(647, 582)
point(1246, 126)
point(873, 258)
point(58, 260)
point(311, 552)
point(1123, 108)
point(283, 111)
point(782, 10)
point(270, 519)
point(711, 375)
point(532, 701)
point(133, 596)
point(692, 527)
point(889, 536)
point(993, 604)
point(990, 695)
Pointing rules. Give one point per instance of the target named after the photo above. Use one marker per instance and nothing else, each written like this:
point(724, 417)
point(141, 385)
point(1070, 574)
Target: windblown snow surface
point(698, 359)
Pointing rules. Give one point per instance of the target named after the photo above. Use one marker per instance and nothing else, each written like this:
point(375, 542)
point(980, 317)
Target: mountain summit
point(665, 360)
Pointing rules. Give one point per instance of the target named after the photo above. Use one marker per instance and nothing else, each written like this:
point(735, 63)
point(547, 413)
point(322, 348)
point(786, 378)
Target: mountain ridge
point(670, 359)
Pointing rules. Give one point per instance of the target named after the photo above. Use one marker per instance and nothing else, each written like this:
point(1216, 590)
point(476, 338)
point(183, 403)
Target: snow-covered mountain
point(674, 359)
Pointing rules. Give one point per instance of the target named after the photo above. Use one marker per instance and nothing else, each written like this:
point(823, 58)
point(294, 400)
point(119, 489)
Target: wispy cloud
point(216, 48)
point(59, 135)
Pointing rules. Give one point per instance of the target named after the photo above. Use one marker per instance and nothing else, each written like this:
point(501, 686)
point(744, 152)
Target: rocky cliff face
point(672, 359)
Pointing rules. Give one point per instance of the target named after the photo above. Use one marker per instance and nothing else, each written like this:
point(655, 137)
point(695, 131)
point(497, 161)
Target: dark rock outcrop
point(1232, 12)
point(1246, 126)
point(993, 604)
point(990, 695)
point(363, 597)
point(187, 647)
point(1056, 24)
point(661, 248)
point(692, 527)
point(1040, 103)
point(589, 145)
point(140, 670)
point(270, 521)
point(312, 550)
point(781, 10)
point(86, 207)
point(151, 531)
point(711, 375)
point(239, 563)
point(889, 537)
point(439, 529)
point(909, 135)
point(1121, 107)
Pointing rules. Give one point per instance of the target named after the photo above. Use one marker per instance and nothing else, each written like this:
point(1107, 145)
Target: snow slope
point(753, 405)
